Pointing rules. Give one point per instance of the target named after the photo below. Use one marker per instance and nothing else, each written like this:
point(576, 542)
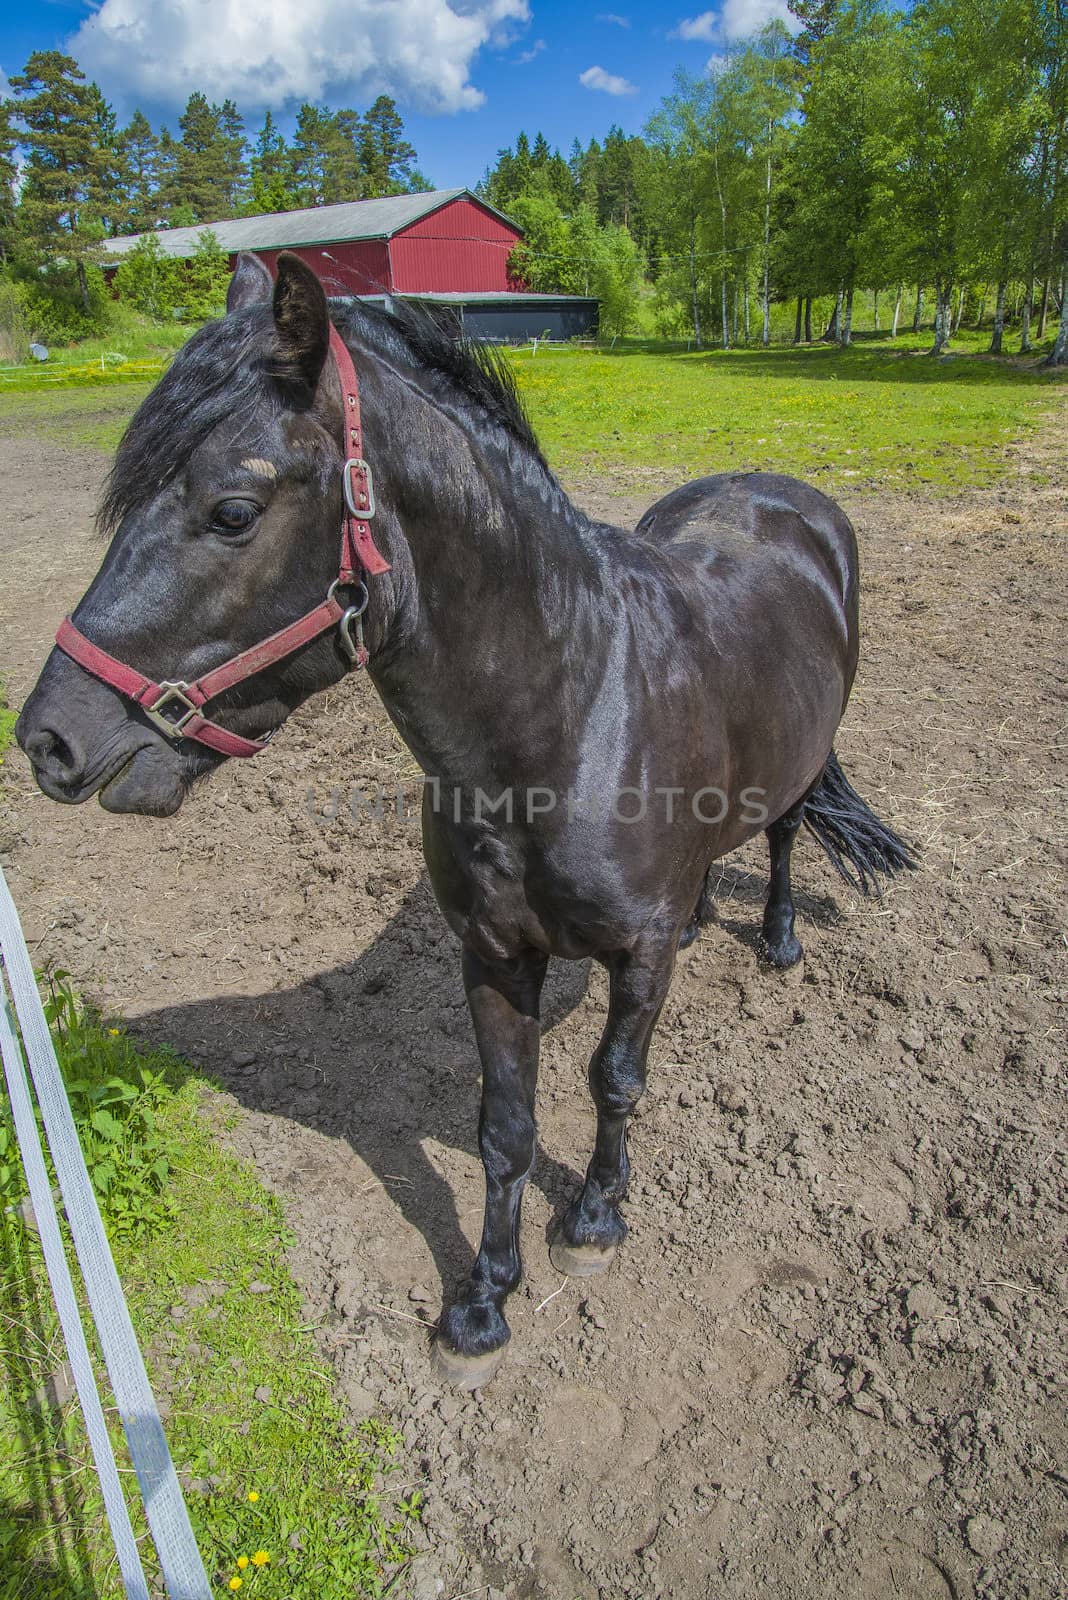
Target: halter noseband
point(174, 706)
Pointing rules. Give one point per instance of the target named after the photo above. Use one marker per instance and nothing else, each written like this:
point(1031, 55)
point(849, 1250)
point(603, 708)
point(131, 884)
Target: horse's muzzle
point(82, 739)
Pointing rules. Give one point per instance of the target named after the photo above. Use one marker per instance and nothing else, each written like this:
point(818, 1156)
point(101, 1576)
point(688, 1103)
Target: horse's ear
point(302, 321)
point(250, 285)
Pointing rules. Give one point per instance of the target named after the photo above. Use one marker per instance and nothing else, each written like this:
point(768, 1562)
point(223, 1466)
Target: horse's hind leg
point(592, 1226)
point(780, 944)
point(504, 1001)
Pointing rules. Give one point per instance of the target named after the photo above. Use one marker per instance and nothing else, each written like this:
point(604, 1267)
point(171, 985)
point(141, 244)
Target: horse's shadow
point(380, 1052)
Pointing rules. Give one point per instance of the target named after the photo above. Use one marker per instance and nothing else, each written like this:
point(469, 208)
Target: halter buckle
point(173, 726)
point(358, 464)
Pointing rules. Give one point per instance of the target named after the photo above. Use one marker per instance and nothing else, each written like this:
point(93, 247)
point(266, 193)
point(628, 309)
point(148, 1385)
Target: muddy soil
point(830, 1358)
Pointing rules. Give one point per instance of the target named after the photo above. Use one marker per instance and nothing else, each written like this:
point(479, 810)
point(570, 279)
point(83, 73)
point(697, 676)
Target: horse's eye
point(234, 516)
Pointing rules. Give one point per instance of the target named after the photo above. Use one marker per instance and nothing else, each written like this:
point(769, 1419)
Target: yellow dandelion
point(242, 1562)
point(253, 1496)
point(260, 1559)
point(236, 1583)
point(114, 1032)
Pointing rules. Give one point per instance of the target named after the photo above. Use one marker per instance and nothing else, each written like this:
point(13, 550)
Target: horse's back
point(742, 520)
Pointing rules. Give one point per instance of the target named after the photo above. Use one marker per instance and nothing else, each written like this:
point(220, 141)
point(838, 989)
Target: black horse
point(602, 713)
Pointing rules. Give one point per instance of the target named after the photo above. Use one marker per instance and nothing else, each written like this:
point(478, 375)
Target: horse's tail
point(859, 845)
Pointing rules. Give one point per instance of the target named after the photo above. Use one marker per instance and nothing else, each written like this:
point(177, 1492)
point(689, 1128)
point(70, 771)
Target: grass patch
point(89, 417)
point(8, 718)
point(878, 415)
point(881, 414)
point(133, 348)
point(270, 1466)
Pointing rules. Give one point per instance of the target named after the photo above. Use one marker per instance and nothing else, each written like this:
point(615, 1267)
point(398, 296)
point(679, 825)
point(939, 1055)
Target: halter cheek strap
point(175, 706)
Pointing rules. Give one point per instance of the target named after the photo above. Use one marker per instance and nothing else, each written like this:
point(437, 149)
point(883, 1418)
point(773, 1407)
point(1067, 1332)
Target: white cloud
point(739, 19)
point(598, 78)
point(530, 55)
point(706, 26)
point(272, 52)
point(610, 17)
point(743, 18)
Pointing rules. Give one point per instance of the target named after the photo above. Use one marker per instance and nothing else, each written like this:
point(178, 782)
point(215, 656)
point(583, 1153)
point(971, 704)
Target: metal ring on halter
point(361, 605)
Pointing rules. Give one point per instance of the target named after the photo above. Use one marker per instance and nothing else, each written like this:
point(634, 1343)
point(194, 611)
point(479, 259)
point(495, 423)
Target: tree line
point(70, 176)
point(919, 155)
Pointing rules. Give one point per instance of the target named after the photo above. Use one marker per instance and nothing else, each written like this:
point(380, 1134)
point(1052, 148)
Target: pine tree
point(588, 176)
point(617, 187)
point(233, 150)
point(271, 184)
point(315, 156)
point(8, 176)
point(172, 208)
point(385, 155)
point(62, 120)
point(112, 177)
point(348, 179)
point(140, 154)
point(209, 159)
point(559, 182)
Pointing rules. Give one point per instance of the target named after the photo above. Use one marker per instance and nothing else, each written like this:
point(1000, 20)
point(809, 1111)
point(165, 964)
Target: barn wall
point(359, 266)
point(459, 249)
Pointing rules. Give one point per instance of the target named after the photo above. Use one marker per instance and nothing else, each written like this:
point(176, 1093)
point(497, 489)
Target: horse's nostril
point(49, 751)
point(62, 753)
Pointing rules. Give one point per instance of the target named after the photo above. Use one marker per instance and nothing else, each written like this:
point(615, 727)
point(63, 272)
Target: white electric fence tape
point(183, 1570)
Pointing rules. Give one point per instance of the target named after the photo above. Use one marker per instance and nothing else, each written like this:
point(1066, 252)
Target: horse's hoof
point(580, 1260)
point(464, 1372)
point(784, 954)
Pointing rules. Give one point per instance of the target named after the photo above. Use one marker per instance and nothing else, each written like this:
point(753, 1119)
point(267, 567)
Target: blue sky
point(467, 75)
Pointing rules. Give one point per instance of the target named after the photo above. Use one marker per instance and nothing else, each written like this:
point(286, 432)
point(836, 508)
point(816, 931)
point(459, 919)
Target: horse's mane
point(223, 371)
point(478, 371)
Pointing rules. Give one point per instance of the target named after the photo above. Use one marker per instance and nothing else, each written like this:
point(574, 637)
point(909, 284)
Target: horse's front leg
point(593, 1227)
point(504, 1000)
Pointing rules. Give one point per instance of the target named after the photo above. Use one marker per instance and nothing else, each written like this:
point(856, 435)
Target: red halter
point(174, 706)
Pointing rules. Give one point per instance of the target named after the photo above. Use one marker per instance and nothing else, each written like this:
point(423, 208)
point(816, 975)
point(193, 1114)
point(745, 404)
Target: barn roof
point(353, 219)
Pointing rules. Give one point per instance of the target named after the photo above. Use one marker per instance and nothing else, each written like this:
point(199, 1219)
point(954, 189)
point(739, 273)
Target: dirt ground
point(830, 1359)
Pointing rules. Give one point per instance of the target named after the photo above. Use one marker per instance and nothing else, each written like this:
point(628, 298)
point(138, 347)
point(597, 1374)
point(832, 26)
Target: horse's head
point(225, 500)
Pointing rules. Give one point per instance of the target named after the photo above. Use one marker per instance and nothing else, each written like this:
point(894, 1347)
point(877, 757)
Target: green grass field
point(881, 415)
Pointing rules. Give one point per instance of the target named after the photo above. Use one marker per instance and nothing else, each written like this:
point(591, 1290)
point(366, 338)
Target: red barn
point(446, 241)
point(448, 246)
